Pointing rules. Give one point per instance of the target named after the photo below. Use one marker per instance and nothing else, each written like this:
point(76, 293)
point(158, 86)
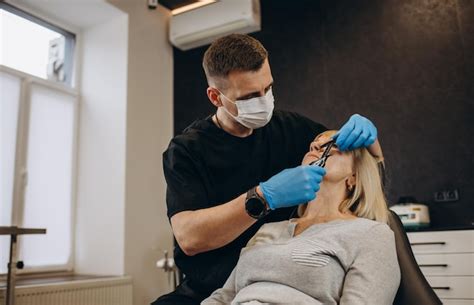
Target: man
point(239, 168)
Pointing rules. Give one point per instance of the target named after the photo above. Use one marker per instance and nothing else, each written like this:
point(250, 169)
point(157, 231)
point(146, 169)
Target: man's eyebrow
point(253, 94)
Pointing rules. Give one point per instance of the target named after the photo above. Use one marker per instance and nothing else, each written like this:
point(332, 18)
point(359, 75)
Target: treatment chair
point(414, 289)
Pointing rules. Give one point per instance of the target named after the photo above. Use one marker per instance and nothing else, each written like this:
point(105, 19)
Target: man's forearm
point(208, 229)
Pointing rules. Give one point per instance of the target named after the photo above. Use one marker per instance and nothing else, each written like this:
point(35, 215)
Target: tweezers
point(322, 161)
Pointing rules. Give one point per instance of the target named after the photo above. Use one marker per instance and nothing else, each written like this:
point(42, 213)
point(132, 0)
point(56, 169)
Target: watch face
point(254, 207)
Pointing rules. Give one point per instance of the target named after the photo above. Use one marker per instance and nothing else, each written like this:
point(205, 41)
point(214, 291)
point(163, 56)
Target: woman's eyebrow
point(329, 142)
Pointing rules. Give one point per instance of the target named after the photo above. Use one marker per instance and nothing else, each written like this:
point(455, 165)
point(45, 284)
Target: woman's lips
point(314, 154)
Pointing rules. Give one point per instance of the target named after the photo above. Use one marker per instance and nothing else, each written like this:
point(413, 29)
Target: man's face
point(243, 85)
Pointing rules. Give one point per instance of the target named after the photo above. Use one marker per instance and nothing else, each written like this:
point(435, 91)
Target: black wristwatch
point(255, 205)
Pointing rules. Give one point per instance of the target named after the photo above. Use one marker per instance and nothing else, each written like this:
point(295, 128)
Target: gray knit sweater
point(338, 262)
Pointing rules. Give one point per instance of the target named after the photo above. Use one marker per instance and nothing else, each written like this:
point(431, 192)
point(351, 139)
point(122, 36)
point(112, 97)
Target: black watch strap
point(255, 205)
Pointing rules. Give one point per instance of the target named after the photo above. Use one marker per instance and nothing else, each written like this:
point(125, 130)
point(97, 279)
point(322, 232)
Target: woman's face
point(339, 165)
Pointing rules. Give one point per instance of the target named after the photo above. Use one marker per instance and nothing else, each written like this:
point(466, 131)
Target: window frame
point(70, 38)
point(70, 88)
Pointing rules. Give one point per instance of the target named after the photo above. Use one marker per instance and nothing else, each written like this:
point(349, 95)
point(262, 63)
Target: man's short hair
point(234, 52)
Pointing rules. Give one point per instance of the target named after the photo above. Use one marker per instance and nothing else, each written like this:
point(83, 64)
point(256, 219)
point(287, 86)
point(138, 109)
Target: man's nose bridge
point(264, 90)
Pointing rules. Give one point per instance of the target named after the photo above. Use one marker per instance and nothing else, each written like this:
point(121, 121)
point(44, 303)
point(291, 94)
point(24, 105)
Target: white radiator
point(103, 291)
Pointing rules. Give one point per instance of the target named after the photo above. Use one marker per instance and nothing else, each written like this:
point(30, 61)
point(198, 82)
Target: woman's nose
point(316, 153)
point(315, 147)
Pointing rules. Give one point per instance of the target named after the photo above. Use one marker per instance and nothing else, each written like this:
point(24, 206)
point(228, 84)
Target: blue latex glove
point(292, 186)
point(357, 132)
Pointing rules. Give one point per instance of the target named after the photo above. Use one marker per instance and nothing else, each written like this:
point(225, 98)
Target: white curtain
point(10, 87)
point(48, 196)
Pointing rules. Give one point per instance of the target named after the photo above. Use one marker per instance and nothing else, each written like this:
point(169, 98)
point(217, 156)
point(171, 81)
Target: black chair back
point(414, 289)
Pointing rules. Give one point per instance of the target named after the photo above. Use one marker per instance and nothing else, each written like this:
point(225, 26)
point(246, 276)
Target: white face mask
point(255, 112)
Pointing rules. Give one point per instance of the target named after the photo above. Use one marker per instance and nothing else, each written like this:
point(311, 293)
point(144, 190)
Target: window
point(31, 45)
point(38, 112)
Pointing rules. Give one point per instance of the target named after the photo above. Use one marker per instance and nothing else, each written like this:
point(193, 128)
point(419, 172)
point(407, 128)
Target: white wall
point(140, 198)
point(100, 219)
point(149, 129)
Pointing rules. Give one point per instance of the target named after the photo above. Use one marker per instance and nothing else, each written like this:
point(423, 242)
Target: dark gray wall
point(408, 65)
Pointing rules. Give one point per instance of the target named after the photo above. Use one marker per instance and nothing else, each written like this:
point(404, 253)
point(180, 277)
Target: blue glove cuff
point(268, 198)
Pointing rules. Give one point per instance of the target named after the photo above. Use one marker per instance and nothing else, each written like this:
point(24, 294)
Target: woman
point(340, 251)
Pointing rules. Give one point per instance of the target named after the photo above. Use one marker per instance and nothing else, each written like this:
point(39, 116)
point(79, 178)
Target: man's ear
point(214, 96)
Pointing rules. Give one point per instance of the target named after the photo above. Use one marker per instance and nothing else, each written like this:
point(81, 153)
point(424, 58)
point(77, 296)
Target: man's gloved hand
point(357, 132)
point(292, 186)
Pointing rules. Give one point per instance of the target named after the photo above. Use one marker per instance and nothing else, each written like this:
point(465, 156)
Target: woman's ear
point(213, 95)
point(351, 181)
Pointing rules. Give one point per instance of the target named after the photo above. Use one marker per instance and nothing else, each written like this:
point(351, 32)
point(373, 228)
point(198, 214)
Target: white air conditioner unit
point(201, 26)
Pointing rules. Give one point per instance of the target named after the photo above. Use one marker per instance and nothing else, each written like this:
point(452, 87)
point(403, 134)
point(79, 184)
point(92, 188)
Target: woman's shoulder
point(369, 223)
point(273, 227)
point(376, 231)
point(268, 232)
point(368, 227)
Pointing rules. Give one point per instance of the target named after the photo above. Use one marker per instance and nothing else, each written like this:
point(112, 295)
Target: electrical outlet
point(446, 196)
point(439, 196)
point(452, 195)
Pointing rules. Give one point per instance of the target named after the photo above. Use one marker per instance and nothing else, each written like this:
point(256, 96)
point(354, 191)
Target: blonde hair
point(367, 199)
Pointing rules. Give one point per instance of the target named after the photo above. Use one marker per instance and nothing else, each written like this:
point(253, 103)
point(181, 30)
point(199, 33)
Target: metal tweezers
point(322, 161)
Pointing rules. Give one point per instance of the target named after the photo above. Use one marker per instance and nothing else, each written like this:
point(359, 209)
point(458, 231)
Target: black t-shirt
point(205, 167)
